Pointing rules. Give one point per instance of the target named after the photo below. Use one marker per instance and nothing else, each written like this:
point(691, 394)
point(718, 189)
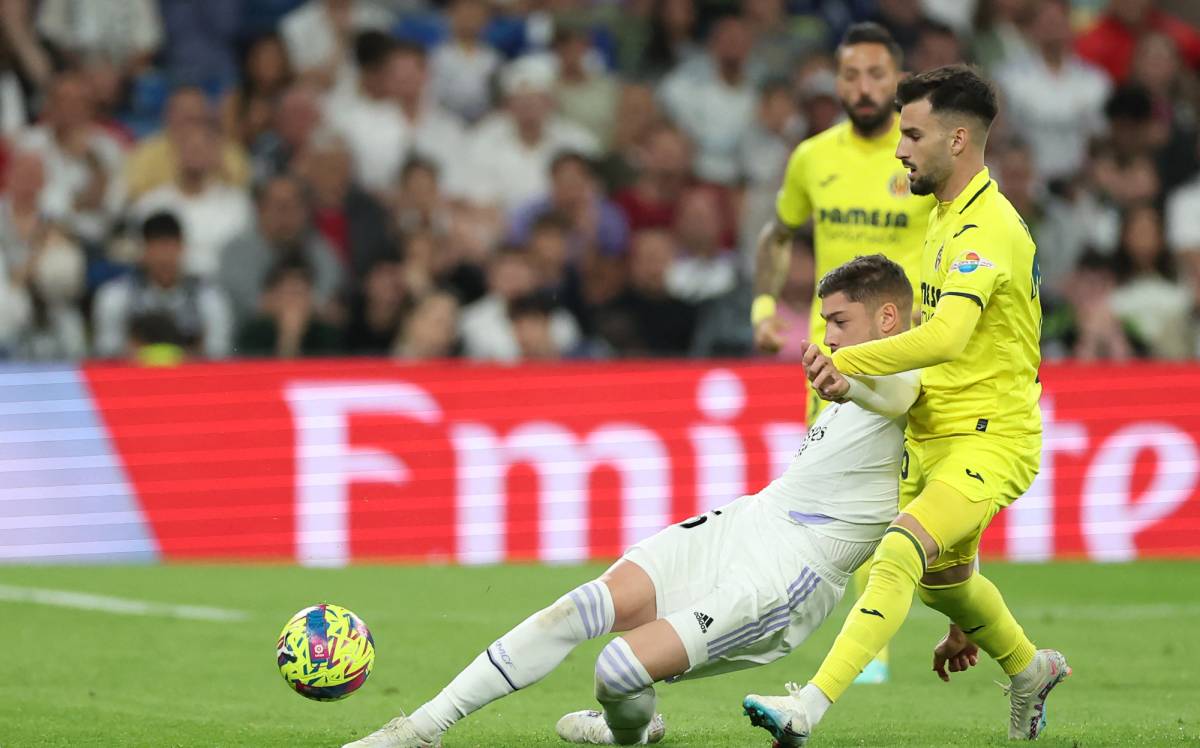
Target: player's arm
point(773, 254)
point(889, 396)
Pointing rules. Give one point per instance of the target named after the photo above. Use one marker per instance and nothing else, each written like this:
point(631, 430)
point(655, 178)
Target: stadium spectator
point(645, 320)
point(247, 111)
point(1055, 100)
point(155, 160)
point(202, 38)
point(295, 118)
point(1085, 327)
point(1175, 103)
point(713, 99)
point(532, 320)
point(368, 117)
point(764, 153)
point(486, 330)
point(664, 162)
point(780, 40)
point(903, 19)
point(282, 234)
point(212, 211)
point(636, 118)
point(84, 191)
point(1183, 229)
point(997, 40)
point(289, 324)
point(321, 37)
point(378, 309)
point(24, 53)
point(586, 94)
point(671, 41)
point(354, 223)
point(595, 223)
point(435, 133)
point(704, 267)
point(937, 45)
point(462, 69)
point(122, 34)
point(1110, 42)
point(430, 331)
point(819, 102)
point(556, 273)
point(42, 271)
point(511, 151)
point(419, 204)
point(193, 311)
point(1149, 297)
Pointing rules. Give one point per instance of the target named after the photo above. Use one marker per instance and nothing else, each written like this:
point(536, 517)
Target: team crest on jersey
point(898, 185)
point(969, 263)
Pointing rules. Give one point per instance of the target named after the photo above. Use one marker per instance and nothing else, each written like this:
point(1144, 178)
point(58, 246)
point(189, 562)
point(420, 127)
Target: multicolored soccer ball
point(325, 652)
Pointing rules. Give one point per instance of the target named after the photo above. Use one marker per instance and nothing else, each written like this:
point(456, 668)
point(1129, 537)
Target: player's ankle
point(815, 703)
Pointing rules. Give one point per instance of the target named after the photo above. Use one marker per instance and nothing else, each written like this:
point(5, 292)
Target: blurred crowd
point(539, 179)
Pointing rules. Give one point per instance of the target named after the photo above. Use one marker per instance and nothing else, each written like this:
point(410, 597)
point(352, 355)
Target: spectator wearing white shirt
point(1055, 99)
point(369, 119)
point(435, 132)
point(320, 37)
point(212, 211)
point(122, 33)
point(512, 149)
point(185, 311)
point(703, 269)
point(84, 187)
point(1150, 299)
point(462, 68)
point(714, 100)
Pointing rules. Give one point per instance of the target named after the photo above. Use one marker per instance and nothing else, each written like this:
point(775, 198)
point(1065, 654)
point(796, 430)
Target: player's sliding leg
point(972, 602)
point(622, 598)
point(625, 673)
point(876, 671)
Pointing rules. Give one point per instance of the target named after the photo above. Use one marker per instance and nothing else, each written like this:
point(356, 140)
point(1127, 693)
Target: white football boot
point(589, 728)
point(782, 716)
point(399, 733)
point(1027, 699)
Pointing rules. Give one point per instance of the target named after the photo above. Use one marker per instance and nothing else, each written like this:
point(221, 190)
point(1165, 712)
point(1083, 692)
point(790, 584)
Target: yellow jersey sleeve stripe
point(970, 296)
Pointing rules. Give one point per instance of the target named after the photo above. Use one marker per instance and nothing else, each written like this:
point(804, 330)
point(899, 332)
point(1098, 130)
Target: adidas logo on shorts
point(704, 620)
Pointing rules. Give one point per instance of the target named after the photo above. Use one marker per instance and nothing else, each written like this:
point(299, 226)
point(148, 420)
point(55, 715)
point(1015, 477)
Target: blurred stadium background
point(468, 282)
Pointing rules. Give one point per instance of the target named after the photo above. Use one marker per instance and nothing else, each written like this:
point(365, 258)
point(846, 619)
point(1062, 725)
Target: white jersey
point(844, 481)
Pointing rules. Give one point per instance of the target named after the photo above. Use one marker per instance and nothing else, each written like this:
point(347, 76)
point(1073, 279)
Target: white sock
point(623, 688)
point(815, 703)
point(521, 657)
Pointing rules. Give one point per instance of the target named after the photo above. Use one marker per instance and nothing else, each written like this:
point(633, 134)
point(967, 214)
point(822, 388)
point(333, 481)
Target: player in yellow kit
point(973, 441)
point(848, 182)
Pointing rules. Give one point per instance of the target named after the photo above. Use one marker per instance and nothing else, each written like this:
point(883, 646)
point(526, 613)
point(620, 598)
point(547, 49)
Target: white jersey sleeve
point(844, 481)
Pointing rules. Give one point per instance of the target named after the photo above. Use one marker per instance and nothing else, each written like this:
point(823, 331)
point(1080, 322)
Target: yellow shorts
point(977, 476)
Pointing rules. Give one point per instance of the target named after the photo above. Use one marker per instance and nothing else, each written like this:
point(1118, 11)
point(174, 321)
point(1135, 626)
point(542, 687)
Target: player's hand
point(824, 376)
point(768, 334)
point(954, 653)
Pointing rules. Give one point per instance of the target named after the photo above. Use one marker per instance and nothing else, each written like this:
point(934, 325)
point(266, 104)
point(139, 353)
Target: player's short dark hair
point(953, 88)
point(873, 33)
point(871, 280)
point(161, 225)
point(372, 49)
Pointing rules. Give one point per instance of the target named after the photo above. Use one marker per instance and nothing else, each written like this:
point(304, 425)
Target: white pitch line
point(118, 605)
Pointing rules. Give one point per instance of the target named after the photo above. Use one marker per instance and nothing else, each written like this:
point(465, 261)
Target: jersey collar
point(975, 189)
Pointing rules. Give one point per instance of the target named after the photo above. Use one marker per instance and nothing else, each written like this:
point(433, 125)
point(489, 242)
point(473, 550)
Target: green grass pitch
point(90, 678)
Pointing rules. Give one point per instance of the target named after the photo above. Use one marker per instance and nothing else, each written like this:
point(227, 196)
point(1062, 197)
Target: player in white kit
point(733, 588)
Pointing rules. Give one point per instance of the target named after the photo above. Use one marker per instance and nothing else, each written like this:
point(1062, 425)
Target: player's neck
point(960, 178)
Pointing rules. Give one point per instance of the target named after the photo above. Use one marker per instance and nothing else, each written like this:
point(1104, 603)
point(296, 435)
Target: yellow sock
point(979, 610)
point(861, 575)
point(877, 614)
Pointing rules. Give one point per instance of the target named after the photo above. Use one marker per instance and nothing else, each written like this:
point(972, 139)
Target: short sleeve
point(792, 204)
point(977, 273)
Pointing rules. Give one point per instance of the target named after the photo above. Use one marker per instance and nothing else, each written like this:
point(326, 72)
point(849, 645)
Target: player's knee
point(899, 554)
point(589, 607)
point(619, 675)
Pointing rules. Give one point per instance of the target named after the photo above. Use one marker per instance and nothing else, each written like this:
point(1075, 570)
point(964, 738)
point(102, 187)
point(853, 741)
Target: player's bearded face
point(924, 148)
point(866, 85)
point(866, 113)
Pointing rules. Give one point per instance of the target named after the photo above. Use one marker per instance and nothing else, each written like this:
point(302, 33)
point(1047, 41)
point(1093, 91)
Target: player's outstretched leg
point(625, 673)
point(977, 607)
point(517, 659)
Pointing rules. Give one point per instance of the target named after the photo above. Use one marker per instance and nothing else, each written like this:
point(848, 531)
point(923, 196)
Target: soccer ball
point(325, 652)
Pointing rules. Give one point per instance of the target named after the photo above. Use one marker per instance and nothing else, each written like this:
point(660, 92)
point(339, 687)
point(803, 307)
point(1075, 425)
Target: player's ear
point(959, 137)
point(888, 318)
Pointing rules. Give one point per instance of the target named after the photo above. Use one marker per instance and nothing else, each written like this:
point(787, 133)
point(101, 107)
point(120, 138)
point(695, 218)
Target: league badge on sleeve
point(969, 262)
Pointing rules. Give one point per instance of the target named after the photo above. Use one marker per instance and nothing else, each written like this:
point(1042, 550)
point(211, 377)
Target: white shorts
point(743, 585)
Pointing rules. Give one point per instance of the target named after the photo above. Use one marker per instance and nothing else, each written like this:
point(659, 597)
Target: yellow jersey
point(856, 193)
point(978, 247)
